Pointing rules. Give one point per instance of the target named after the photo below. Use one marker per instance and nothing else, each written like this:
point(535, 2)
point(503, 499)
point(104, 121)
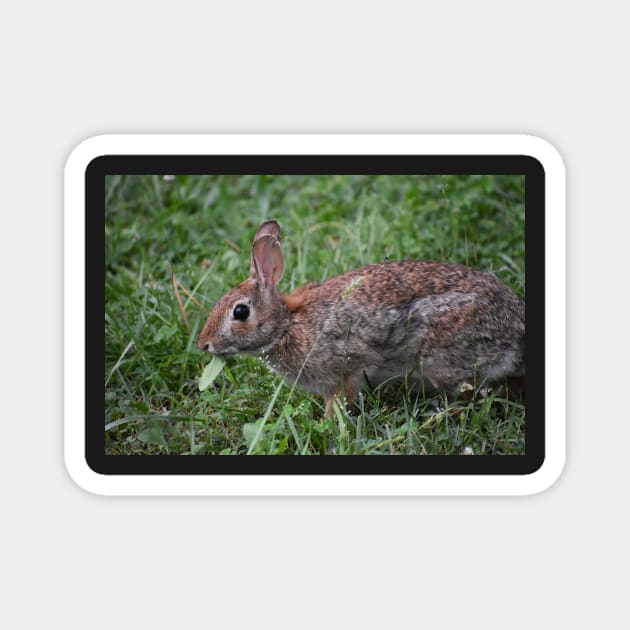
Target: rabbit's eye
point(241, 312)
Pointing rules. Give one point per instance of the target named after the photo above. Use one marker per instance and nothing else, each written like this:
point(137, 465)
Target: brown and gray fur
point(438, 324)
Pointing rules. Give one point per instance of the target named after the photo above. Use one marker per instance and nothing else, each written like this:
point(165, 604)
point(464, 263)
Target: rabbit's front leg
point(341, 397)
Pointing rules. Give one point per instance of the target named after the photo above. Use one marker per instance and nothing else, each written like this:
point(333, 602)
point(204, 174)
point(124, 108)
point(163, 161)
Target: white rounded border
point(306, 144)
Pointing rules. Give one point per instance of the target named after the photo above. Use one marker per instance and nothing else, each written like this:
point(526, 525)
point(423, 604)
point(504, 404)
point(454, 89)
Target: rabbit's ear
point(267, 264)
point(269, 227)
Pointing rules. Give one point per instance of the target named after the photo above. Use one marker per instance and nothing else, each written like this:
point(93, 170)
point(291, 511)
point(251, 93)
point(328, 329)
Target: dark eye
point(241, 312)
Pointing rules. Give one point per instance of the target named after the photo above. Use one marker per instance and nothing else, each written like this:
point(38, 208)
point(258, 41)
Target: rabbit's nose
point(205, 345)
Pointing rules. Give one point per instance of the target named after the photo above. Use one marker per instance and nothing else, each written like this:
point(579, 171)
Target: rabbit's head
point(251, 317)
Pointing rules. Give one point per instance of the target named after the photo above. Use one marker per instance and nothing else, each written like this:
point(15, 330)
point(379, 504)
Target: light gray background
point(72, 70)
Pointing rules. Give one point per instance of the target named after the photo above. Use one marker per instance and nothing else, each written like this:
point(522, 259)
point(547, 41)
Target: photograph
point(304, 314)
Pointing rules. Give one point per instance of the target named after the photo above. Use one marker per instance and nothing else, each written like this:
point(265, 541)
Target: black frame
point(102, 166)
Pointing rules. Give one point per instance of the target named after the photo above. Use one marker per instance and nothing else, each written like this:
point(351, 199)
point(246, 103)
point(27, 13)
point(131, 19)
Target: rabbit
point(437, 324)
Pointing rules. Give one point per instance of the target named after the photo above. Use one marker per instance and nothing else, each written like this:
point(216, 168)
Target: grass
point(175, 245)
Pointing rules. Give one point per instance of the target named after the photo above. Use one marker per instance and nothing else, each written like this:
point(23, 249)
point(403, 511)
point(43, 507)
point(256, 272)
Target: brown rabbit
point(438, 324)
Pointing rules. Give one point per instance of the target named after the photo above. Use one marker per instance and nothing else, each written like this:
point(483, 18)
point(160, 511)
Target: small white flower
point(468, 450)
